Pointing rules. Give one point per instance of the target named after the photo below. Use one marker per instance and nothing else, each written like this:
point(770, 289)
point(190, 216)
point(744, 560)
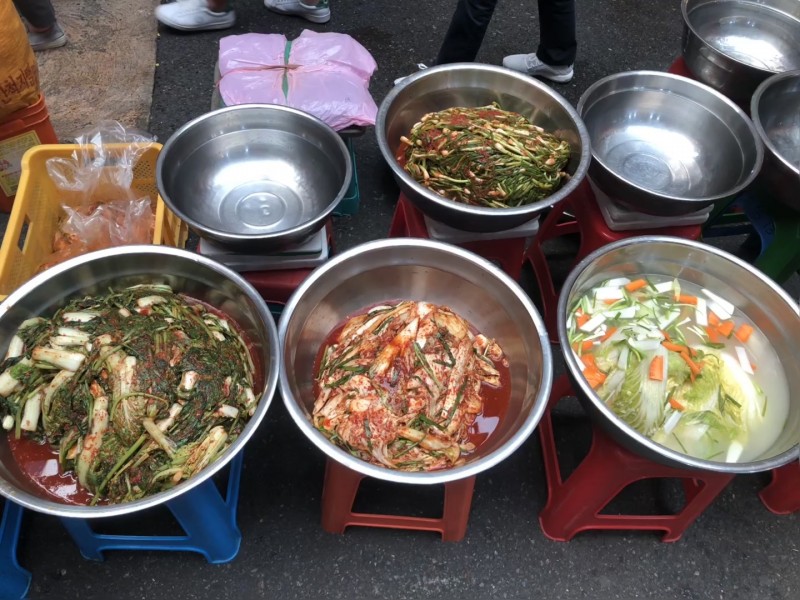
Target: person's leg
point(467, 28)
point(197, 15)
point(316, 11)
point(557, 40)
point(44, 32)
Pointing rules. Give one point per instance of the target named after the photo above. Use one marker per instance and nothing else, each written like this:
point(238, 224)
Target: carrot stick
point(744, 332)
point(583, 346)
point(581, 319)
point(609, 332)
point(693, 366)
point(588, 360)
point(713, 319)
point(725, 328)
point(672, 347)
point(635, 285)
point(713, 336)
point(686, 299)
point(595, 377)
point(666, 335)
point(657, 368)
point(676, 405)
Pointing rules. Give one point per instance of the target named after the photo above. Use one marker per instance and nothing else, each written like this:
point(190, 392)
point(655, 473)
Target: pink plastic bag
point(327, 75)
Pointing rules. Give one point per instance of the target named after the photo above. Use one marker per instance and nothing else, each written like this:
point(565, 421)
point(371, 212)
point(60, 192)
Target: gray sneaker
point(47, 40)
point(531, 65)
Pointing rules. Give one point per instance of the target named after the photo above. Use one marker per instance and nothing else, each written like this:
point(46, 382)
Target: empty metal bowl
point(775, 109)
point(254, 176)
point(418, 269)
point(760, 298)
point(196, 276)
point(667, 145)
point(469, 85)
point(733, 45)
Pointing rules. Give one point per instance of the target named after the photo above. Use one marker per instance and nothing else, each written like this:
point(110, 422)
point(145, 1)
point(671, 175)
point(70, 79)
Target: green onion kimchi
point(137, 389)
point(400, 385)
point(485, 156)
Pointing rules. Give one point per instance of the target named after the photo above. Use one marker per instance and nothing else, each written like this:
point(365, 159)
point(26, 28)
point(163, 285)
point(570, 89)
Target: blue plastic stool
point(14, 580)
point(208, 520)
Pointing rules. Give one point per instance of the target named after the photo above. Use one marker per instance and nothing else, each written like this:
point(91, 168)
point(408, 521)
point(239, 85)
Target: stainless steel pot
point(761, 299)
point(186, 272)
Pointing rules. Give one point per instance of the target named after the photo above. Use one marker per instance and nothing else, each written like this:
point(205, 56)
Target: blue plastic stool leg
point(14, 580)
point(208, 520)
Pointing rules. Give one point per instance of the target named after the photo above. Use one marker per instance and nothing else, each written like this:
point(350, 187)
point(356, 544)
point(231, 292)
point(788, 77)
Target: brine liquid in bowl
point(681, 365)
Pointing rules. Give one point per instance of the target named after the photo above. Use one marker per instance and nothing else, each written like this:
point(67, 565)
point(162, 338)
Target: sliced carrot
point(657, 368)
point(725, 328)
point(744, 332)
point(588, 360)
point(676, 405)
point(672, 347)
point(609, 332)
point(595, 377)
point(635, 285)
point(583, 346)
point(693, 366)
point(713, 336)
point(666, 335)
point(609, 302)
point(581, 319)
point(713, 319)
point(686, 299)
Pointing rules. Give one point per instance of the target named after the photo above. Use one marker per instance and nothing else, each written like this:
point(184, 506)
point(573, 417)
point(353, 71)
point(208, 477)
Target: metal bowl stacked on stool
point(470, 85)
point(186, 272)
point(666, 145)
point(254, 176)
point(775, 109)
point(734, 45)
point(420, 270)
point(761, 299)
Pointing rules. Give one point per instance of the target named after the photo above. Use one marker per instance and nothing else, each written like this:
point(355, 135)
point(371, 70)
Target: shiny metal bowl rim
point(81, 511)
point(431, 477)
point(756, 116)
point(587, 391)
point(480, 211)
point(739, 112)
point(227, 236)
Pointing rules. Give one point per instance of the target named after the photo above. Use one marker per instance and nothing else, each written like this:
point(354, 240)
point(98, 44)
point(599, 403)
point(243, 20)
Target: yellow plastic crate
point(37, 209)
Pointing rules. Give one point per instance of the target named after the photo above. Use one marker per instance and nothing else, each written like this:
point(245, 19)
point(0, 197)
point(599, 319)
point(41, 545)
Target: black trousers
point(557, 41)
point(38, 13)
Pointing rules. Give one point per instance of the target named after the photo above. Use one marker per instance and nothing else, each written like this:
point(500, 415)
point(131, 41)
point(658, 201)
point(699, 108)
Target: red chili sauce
point(495, 399)
point(38, 461)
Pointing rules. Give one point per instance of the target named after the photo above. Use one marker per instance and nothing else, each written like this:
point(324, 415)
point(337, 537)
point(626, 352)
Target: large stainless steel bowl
point(667, 145)
point(467, 85)
point(775, 109)
point(254, 176)
point(186, 272)
point(418, 270)
point(733, 45)
point(761, 299)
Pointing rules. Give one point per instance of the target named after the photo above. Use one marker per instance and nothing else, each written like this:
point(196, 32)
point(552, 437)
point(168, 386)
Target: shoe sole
point(556, 78)
point(321, 18)
point(214, 27)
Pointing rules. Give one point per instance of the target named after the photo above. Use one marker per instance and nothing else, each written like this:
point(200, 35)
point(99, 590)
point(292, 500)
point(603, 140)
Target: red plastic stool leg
point(782, 495)
point(340, 489)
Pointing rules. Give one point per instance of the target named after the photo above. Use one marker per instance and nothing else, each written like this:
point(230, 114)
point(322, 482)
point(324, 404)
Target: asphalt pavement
point(735, 550)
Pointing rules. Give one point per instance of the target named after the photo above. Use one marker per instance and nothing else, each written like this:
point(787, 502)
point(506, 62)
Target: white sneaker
point(420, 66)
point(193, 15)
point(531, 65)
point(319, 13)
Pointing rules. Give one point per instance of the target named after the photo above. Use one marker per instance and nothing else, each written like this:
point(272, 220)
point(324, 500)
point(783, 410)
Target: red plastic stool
point(594, 234)
point(574, 505)
point(409, 221)
point(782, 495)
point(339, 493)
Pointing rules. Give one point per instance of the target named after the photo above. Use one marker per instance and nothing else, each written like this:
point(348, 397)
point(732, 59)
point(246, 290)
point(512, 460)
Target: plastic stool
point(409, 221)
point(208, 520)
point(339, 493)
point(574, 505)
point(594, 234)
point(782, 495)
point(14, 580)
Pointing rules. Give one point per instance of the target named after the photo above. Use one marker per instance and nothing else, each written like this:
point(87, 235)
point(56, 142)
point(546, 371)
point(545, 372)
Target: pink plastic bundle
point(324, 74)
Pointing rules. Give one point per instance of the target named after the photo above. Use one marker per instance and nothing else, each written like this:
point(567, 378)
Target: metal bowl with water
point(664, 144)
point(775, 108)
point(418, 269)
point(734, 45)
point(254, 176)
point(761, 299)
point(188, 273)
point(469, 85)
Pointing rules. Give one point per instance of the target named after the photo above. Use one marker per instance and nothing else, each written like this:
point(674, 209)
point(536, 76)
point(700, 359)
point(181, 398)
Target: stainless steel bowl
point(667, 145)
point(254, 176)
point(775, 108)
point(733, 45)
point(186, 272)
point(472, 84)
point(418, 270)
point(761, 299)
